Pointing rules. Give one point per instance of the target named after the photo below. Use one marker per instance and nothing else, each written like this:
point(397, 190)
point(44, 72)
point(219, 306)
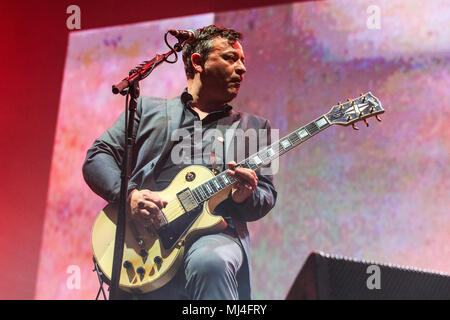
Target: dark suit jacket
point(155, 121)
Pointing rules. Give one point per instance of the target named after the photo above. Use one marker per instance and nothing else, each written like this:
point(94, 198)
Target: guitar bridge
point(162, 218)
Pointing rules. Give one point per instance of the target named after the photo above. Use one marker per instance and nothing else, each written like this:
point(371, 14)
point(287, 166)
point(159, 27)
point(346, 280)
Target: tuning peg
point(340, 106)
point(378, 118)
point(354, 126)
point(366, 123)
point(364, 98)
point(371, 109)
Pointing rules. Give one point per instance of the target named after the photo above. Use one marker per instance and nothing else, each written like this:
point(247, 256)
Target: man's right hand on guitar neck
point(144, 206)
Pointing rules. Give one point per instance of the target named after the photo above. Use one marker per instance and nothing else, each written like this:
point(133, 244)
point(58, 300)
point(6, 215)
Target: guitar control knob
point(143, 253)
point(127, 264)
point(190, 176)
point(158, 260)
point(140, 271)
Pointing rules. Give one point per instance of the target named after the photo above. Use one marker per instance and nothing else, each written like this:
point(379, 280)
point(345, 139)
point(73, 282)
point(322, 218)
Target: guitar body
point(152, 256)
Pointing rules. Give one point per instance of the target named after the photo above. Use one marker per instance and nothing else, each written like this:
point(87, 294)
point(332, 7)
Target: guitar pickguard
point(174, 230)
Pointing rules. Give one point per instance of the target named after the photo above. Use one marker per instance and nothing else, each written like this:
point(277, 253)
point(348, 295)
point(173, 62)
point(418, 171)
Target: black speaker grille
point(326, 276)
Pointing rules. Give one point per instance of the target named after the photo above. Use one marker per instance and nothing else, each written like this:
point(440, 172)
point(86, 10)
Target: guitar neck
point(261, 158)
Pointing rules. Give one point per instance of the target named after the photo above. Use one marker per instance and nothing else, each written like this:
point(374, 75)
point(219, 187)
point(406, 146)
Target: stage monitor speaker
point(327, 277)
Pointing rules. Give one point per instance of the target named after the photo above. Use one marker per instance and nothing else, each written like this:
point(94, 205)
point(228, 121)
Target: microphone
point(184, 35)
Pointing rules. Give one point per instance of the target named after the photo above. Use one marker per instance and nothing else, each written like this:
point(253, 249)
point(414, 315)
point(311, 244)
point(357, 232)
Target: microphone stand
point(130, 87)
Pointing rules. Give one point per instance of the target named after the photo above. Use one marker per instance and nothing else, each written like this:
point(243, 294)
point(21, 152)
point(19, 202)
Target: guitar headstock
point(358, 109)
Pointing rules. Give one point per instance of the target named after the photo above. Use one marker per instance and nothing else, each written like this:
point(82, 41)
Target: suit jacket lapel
point(174, 111)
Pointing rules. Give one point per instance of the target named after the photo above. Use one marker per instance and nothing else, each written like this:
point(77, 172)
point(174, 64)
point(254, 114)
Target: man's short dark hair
point(203, 44)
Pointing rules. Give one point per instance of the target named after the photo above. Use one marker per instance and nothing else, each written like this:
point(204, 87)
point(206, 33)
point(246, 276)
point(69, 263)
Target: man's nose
point(240, 68)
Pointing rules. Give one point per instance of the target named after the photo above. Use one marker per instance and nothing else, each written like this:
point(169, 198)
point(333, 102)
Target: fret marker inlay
point(302, 133)
point(321, 122)
point(257, 160)
point(285, 143)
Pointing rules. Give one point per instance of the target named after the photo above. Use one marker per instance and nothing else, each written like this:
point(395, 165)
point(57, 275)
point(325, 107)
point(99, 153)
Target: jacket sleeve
point(102, 166)
point(262, 199)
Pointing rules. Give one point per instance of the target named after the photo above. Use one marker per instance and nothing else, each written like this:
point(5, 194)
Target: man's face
point(223, 70)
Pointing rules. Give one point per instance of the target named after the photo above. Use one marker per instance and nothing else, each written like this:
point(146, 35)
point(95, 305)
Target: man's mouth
point(236, 82)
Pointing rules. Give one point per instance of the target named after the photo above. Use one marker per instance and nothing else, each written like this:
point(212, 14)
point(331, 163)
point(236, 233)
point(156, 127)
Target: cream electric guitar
point(152, 256)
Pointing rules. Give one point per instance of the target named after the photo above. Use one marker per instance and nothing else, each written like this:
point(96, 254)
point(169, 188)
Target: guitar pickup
point(187, 200)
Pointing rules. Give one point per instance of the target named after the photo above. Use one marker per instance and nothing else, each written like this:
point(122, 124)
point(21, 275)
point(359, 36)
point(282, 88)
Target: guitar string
point(174, 209)
point(172, 213)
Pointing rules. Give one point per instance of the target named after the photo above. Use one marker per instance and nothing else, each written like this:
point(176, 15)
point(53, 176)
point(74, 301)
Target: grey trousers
point(208, 273)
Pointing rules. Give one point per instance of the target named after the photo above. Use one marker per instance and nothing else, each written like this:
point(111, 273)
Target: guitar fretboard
point(261, 158)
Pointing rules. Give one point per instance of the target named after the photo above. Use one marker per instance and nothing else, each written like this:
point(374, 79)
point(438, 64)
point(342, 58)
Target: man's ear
point(197, 62)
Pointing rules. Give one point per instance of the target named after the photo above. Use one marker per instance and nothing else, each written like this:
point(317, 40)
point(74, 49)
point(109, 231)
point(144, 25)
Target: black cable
point(173, 50)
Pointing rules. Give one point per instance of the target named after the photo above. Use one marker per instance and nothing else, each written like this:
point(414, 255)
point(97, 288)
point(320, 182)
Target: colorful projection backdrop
point(380, 193)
